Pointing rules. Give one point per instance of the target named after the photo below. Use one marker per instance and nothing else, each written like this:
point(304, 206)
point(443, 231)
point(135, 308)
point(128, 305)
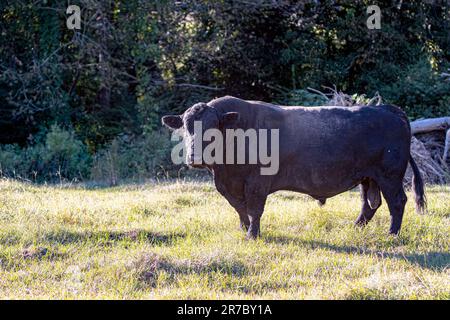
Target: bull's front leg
point(244, 220)
point(255, 209)
point(238, 205)
point(241, 209)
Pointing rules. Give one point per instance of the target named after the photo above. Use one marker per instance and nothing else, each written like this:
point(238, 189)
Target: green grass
point(181, 241)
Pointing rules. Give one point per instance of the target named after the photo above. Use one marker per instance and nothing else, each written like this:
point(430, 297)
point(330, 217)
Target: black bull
point(323, 151)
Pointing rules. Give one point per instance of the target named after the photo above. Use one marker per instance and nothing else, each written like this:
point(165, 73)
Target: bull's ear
point(230, 118)
point(172, 122)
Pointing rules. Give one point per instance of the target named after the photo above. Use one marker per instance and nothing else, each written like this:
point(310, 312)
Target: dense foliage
point(134, 60)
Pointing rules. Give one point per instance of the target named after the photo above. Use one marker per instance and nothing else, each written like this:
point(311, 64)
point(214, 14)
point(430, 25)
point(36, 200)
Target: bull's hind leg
point(370, 199)
point(396, 198)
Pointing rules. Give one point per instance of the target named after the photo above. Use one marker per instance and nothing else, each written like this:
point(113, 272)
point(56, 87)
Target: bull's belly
point(319, 183)
point(322, 193)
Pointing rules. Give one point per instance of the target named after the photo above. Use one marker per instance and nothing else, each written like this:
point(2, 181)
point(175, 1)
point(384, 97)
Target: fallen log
point(434, 124)
point(427, 125)
point(446, 147)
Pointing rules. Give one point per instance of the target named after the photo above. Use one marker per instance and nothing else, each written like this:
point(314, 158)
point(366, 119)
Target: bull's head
point(200, 115)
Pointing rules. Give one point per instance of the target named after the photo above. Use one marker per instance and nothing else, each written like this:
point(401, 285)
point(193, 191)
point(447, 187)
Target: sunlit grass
point(181, 240)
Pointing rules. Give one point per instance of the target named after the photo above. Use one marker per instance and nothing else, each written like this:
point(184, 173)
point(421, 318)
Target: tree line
point(104, 87)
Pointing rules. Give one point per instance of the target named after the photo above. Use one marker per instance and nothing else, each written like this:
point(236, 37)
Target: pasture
point(180, 240)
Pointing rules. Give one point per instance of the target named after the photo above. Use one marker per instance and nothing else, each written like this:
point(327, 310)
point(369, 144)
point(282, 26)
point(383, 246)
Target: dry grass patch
point(181, 240)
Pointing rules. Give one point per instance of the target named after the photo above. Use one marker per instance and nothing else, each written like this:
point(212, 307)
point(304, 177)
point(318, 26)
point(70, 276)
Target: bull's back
point(326, 149)
point(331, 130)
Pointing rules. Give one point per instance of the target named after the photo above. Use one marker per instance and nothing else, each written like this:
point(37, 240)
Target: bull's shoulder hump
point(225, 100)
point(262, 103)
point(238, 104)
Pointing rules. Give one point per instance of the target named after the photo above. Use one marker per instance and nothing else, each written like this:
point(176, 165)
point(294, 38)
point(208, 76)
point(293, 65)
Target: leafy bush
point(420, 91)
point(14, 161)
point(134, 159)
point(64, 155)
point(301, 98)
point(61, 157)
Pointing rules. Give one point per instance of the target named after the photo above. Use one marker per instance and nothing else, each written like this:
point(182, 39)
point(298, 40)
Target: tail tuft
point(418, 188)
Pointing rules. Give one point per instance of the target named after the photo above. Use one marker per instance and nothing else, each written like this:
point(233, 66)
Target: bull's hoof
point(361, 222)
point(251, 236)
point(243, 227)
point(394, 233)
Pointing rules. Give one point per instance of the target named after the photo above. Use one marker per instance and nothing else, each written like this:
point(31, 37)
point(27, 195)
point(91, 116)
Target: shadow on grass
point(433, 260)
point(110, 237)
point(20, 258)
point(150, 266)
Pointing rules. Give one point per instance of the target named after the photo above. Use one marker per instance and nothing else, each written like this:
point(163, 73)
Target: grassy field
point(181, 241)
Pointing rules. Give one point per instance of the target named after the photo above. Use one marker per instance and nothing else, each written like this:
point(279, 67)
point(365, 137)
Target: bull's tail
point(418, 188)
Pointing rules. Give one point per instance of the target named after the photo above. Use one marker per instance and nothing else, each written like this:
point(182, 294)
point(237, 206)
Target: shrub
point(64, 155)
point(12, 161)
point(134, 159)
point(61, 157)
point(420, 91)
point(301, 98)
